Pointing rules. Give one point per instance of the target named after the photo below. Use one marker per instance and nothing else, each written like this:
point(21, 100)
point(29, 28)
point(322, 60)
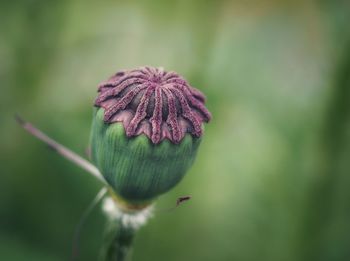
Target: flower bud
point(146, 130)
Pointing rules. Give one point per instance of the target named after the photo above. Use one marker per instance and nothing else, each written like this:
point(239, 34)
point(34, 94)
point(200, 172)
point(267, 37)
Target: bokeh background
point(272, 177)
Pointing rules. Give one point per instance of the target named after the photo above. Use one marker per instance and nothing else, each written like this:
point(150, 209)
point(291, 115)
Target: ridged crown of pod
point(146, 130)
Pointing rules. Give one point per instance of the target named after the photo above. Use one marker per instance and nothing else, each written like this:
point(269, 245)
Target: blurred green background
point(272, 177)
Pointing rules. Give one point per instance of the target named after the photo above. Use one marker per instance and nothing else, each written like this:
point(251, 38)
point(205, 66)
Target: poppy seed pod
point(147, 127)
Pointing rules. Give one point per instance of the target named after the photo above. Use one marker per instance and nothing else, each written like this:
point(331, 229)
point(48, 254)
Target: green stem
point(121, 227)
point(118, 240)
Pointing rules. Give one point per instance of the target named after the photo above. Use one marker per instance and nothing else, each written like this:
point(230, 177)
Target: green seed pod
point(146, 130)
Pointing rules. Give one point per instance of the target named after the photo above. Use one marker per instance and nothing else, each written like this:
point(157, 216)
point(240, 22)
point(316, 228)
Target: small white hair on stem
point(133, 220)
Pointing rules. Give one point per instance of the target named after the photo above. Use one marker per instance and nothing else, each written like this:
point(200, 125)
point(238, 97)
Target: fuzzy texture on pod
point(147, 127)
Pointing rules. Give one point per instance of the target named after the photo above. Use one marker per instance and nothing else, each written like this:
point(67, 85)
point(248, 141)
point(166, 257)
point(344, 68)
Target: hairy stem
point(118, 241)
point(122, 224)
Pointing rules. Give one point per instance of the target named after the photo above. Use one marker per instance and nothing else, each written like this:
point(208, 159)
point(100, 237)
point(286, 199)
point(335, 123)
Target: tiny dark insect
point(182, 199)
point(179, 201)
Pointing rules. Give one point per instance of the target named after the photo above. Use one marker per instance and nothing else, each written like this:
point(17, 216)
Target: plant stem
point(118, 241)
point(122, 224)
point(60, 149)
